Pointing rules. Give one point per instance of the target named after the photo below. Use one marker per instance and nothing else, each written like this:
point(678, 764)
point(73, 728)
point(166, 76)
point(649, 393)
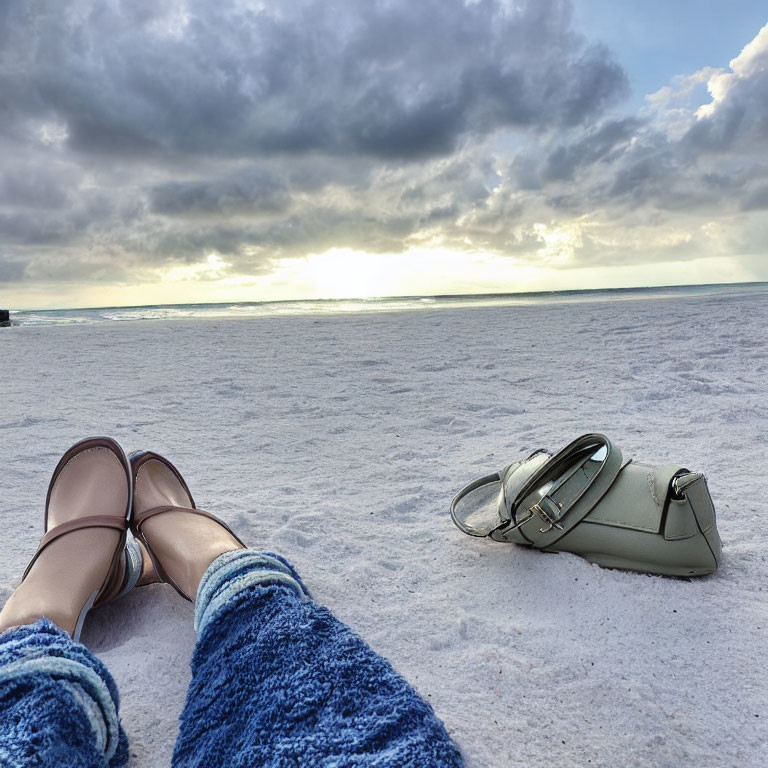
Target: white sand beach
point(339, 441)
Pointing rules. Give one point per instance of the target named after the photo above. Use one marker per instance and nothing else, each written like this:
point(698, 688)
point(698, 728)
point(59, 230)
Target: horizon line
point(492, 295)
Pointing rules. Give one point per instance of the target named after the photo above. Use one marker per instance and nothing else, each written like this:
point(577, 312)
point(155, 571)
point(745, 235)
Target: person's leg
point(58, 703)
point(278, 681)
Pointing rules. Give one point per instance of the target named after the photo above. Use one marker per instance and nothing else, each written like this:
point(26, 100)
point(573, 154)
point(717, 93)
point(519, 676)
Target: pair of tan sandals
point(97, 486)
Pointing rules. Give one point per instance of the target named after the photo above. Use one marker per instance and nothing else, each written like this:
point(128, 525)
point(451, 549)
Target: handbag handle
point(560, 508)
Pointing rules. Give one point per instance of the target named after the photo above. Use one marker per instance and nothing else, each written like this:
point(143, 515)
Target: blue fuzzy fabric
point(58, 703)
point(279, 682)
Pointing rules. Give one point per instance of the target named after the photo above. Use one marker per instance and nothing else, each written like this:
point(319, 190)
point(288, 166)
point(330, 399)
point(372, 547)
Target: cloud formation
point(139, 136)
point(390, 79)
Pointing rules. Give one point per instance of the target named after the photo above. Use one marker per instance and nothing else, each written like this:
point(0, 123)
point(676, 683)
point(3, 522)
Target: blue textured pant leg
point(58, 703)
point(279, 682)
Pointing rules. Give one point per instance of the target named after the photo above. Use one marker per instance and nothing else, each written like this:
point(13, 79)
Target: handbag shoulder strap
point(562, 492)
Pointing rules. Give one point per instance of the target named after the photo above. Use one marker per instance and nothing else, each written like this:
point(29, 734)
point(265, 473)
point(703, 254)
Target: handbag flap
point(637, 498)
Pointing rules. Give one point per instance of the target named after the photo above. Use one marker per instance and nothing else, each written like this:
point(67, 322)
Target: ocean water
point(392, 304)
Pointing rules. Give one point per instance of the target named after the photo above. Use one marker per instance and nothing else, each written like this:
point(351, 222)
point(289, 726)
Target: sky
point(192, 151)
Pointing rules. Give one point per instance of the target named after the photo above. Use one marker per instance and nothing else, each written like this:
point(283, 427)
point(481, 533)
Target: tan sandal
point(91, 488)
point(159, 489)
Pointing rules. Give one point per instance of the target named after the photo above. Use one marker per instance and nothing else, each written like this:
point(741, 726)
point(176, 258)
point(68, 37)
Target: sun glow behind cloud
point(344, 273)
point(213, 268)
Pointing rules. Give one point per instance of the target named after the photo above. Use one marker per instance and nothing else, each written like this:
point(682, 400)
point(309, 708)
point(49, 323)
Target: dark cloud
point(598, 144)
point(756, 199)
point(10, 270)
point(394, 80)
point(34, 187)
point(35, 224)
point(251, 192)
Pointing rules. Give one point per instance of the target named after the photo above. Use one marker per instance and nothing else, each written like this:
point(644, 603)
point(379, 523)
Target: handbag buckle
point(550, 512)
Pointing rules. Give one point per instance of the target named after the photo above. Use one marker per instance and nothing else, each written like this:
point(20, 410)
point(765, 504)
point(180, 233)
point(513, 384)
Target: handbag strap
point(578, 486)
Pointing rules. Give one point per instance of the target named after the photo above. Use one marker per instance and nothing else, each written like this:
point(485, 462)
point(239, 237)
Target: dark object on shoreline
point(5, 318)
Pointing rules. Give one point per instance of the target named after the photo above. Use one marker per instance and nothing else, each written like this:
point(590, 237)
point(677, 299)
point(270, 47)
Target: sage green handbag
point(588, 499)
